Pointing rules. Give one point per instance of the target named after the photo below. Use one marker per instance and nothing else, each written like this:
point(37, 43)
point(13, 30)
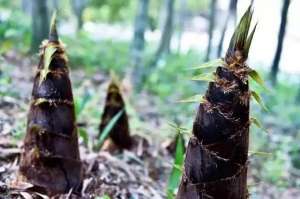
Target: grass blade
point(176, 173)
point(84, 135)
point(108, 128)
point(80, 103)
point(103, 197)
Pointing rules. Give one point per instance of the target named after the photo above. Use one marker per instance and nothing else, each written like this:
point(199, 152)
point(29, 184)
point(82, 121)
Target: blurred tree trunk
point(298, 96)
point(181, 19)
point(232, 13)
point(78, 8)
point(211, 27)
point(55, 4)
point(27, 6)
point(138, 43)
point(166, 36)
point(281, 34)
point(40, 23)
point(165, 41)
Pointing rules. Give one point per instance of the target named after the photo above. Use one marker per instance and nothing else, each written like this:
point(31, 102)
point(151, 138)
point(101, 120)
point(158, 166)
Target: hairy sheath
point(217, 153)
point(50, 160)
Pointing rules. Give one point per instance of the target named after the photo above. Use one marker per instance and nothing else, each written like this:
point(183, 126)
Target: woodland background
point(151, 44)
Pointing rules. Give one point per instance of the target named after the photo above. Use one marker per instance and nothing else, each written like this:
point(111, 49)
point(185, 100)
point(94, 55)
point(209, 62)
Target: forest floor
point(140, 173)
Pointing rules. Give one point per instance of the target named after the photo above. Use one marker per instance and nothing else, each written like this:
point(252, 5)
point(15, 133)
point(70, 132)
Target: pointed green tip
point(53, 36)
point(240, 40)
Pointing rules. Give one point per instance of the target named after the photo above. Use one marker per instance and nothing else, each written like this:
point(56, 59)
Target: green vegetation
point(176, 173)
point(15, 33)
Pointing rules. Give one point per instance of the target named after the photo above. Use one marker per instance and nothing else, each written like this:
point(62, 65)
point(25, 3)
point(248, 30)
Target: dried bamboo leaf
point(48, 55)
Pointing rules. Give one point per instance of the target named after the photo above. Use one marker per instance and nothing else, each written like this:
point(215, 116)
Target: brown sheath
point(217, 154)
point(50, 160)
point(120, 133)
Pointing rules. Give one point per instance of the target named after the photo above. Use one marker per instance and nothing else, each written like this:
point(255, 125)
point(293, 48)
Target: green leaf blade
point(239, 39)
point(84, 135)
point(257, 123)
point(257, 78)
point(260, 153)
point(108, 128)
point(176, 172)
point(192, 99)
point(210, 64)
point(259, 101)
point(249, 40)
point(208, 77)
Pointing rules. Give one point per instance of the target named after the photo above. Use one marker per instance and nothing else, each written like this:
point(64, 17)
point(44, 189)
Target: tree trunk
point(232, 13)
point(217, 154)
point(167, 32)
point(78, 8)
point(165, 40)
point(281, 34)
point(50, 160)
point(298, 96)
point(181, 20)
point(27, 6)
point(40, 23)
point(55, 4)
point(166, 37)
point(138, 43)
point(211, 28)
